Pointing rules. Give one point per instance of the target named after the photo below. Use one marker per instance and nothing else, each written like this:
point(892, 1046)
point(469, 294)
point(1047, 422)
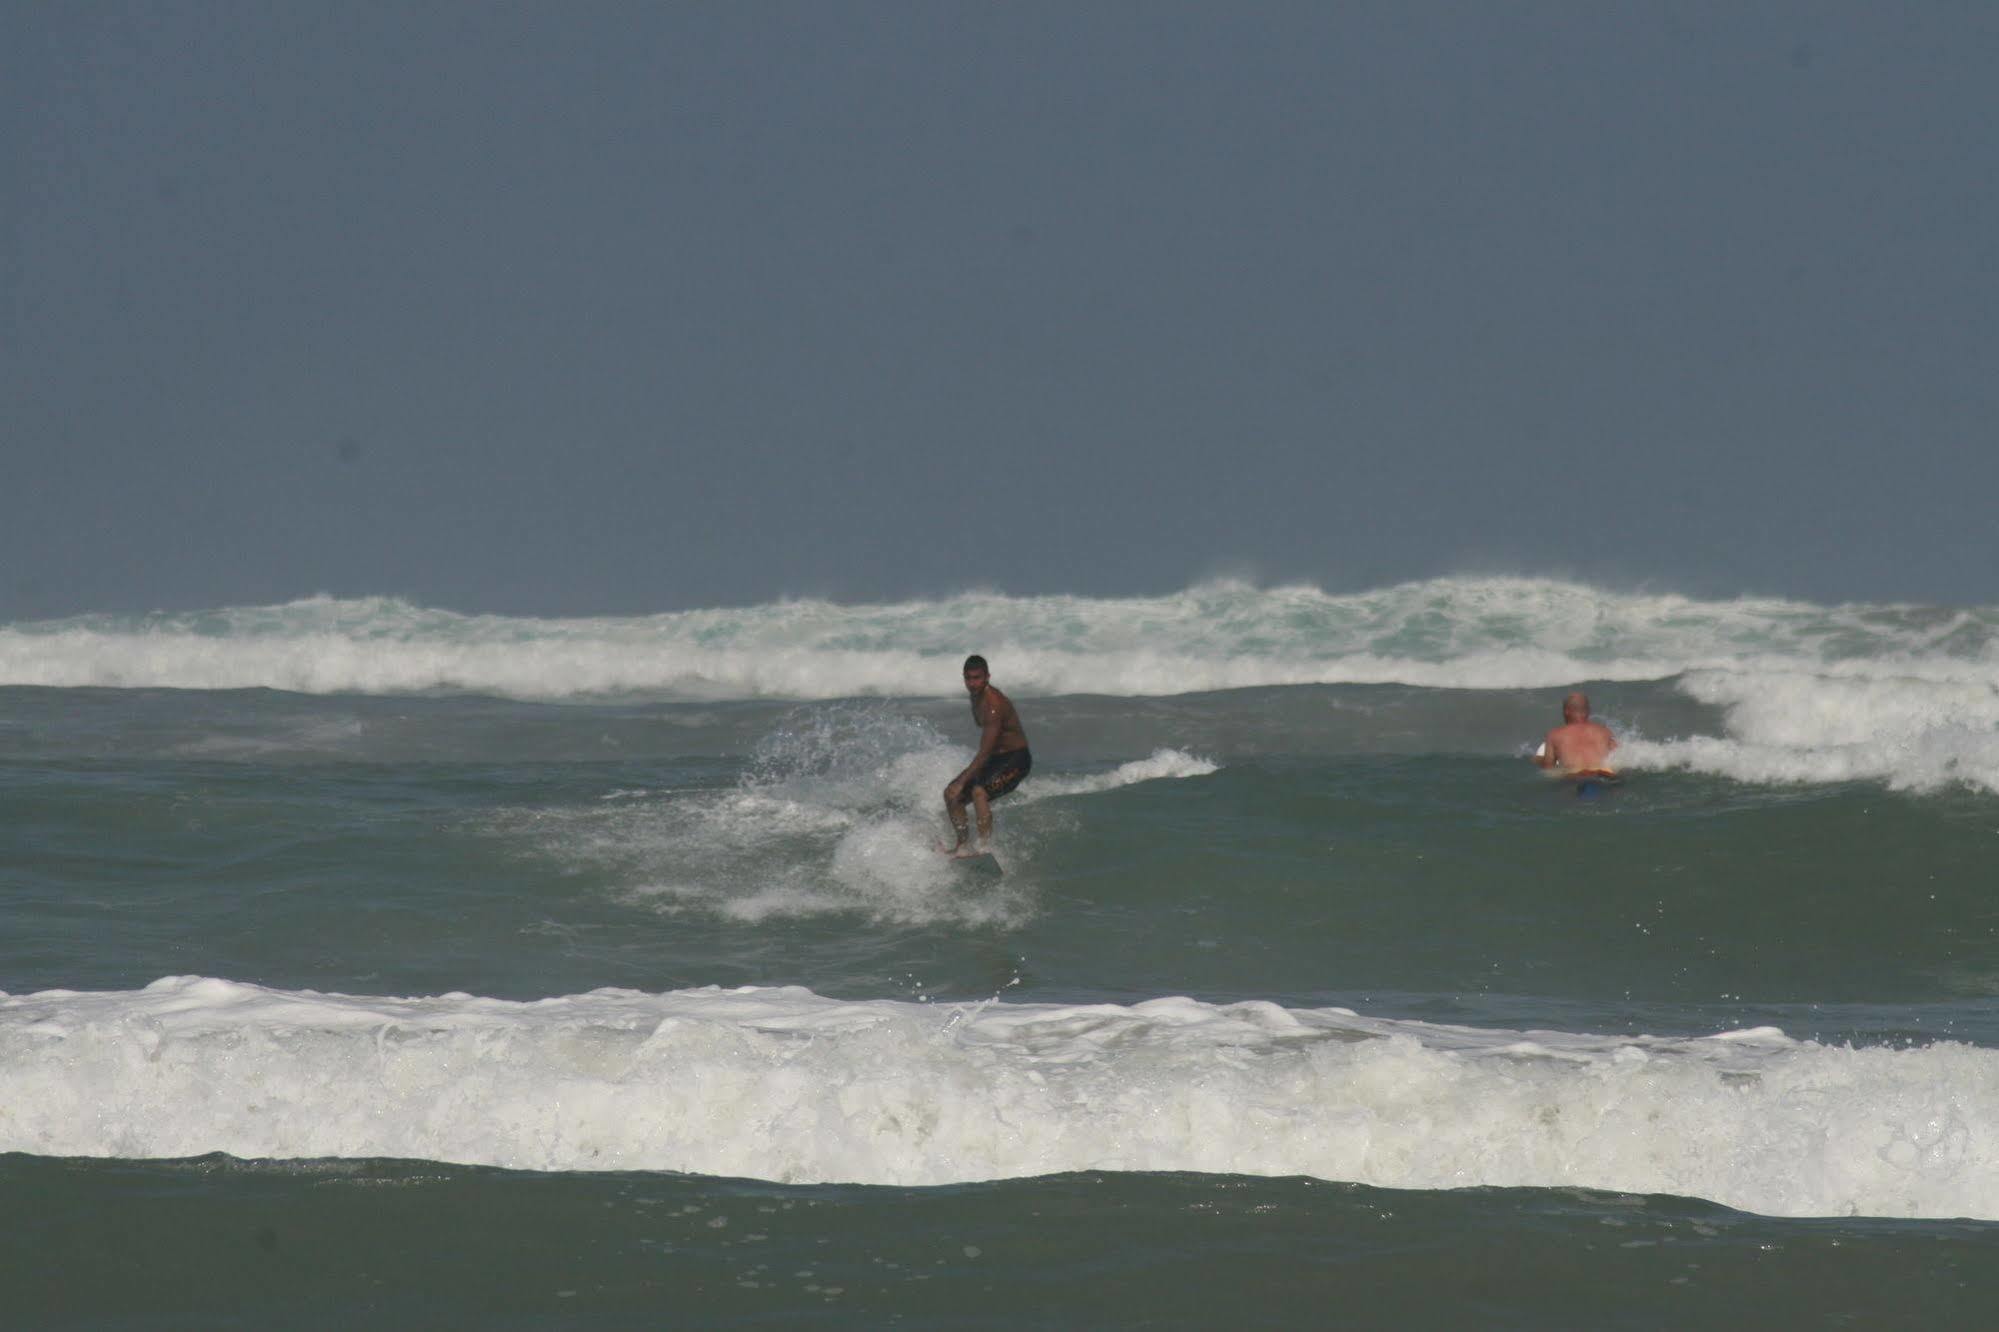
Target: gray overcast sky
point(585, 308)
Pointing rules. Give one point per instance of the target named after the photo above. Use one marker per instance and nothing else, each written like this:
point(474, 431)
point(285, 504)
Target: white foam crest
point(782, 1084)
point(1163, 765)
point(1502, 633)
point(1912, 733)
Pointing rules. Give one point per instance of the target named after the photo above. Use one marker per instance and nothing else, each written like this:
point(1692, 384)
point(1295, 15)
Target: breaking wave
point(783, 1084)
point(1485, 633)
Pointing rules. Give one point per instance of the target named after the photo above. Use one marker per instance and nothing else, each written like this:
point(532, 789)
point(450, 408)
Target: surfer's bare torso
point(994, 711)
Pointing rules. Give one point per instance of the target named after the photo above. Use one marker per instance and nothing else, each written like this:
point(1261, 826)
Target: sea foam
point(1900, 694)
point(1489, 633)
point(782, 1084)
point(1908, 731)
point(840, 812)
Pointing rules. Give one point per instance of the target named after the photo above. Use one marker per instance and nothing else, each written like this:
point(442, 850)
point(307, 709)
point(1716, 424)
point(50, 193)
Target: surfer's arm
point(1544, 757)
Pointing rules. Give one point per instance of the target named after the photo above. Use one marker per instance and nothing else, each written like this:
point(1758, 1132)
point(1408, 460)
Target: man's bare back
point(1578, 745)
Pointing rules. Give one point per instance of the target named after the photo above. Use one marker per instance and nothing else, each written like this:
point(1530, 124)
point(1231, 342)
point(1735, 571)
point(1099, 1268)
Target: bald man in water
point(1578, 747)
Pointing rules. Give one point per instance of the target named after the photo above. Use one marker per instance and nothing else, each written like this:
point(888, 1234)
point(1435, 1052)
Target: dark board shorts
point(1002, 773)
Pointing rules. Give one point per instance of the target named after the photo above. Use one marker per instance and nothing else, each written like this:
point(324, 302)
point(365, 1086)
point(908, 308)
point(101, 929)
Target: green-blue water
point(1298, 1003)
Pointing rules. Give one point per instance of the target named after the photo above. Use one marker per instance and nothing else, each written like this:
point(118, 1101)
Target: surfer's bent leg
point(954, 810)
point(1001, 774)
point(984, 805)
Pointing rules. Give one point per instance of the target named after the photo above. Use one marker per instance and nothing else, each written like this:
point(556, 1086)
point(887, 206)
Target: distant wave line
point(1490, 633)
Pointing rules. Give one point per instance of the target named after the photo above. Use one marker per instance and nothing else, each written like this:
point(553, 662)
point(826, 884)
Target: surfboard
point(986, 866)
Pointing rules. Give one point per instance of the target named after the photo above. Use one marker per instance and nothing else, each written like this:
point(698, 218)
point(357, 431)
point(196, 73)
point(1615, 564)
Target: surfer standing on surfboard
point(1579, 747)
point(997, 768)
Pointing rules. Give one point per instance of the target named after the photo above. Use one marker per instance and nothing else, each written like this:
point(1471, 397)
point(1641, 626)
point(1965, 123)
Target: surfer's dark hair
point(977, 663)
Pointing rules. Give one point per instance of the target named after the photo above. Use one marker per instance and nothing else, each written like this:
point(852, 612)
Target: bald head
point(1575, 708)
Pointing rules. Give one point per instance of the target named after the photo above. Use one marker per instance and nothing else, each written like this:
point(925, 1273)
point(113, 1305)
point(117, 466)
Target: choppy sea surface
point(365, 964)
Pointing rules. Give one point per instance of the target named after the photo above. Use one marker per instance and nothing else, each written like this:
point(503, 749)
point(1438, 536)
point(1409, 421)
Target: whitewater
point(1903, 694)
point(789, 1086)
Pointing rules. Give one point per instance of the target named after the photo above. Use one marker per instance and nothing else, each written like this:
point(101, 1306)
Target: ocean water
point(372, 965)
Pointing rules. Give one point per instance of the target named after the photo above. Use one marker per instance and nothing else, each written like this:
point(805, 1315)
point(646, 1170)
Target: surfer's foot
point(971, 852)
